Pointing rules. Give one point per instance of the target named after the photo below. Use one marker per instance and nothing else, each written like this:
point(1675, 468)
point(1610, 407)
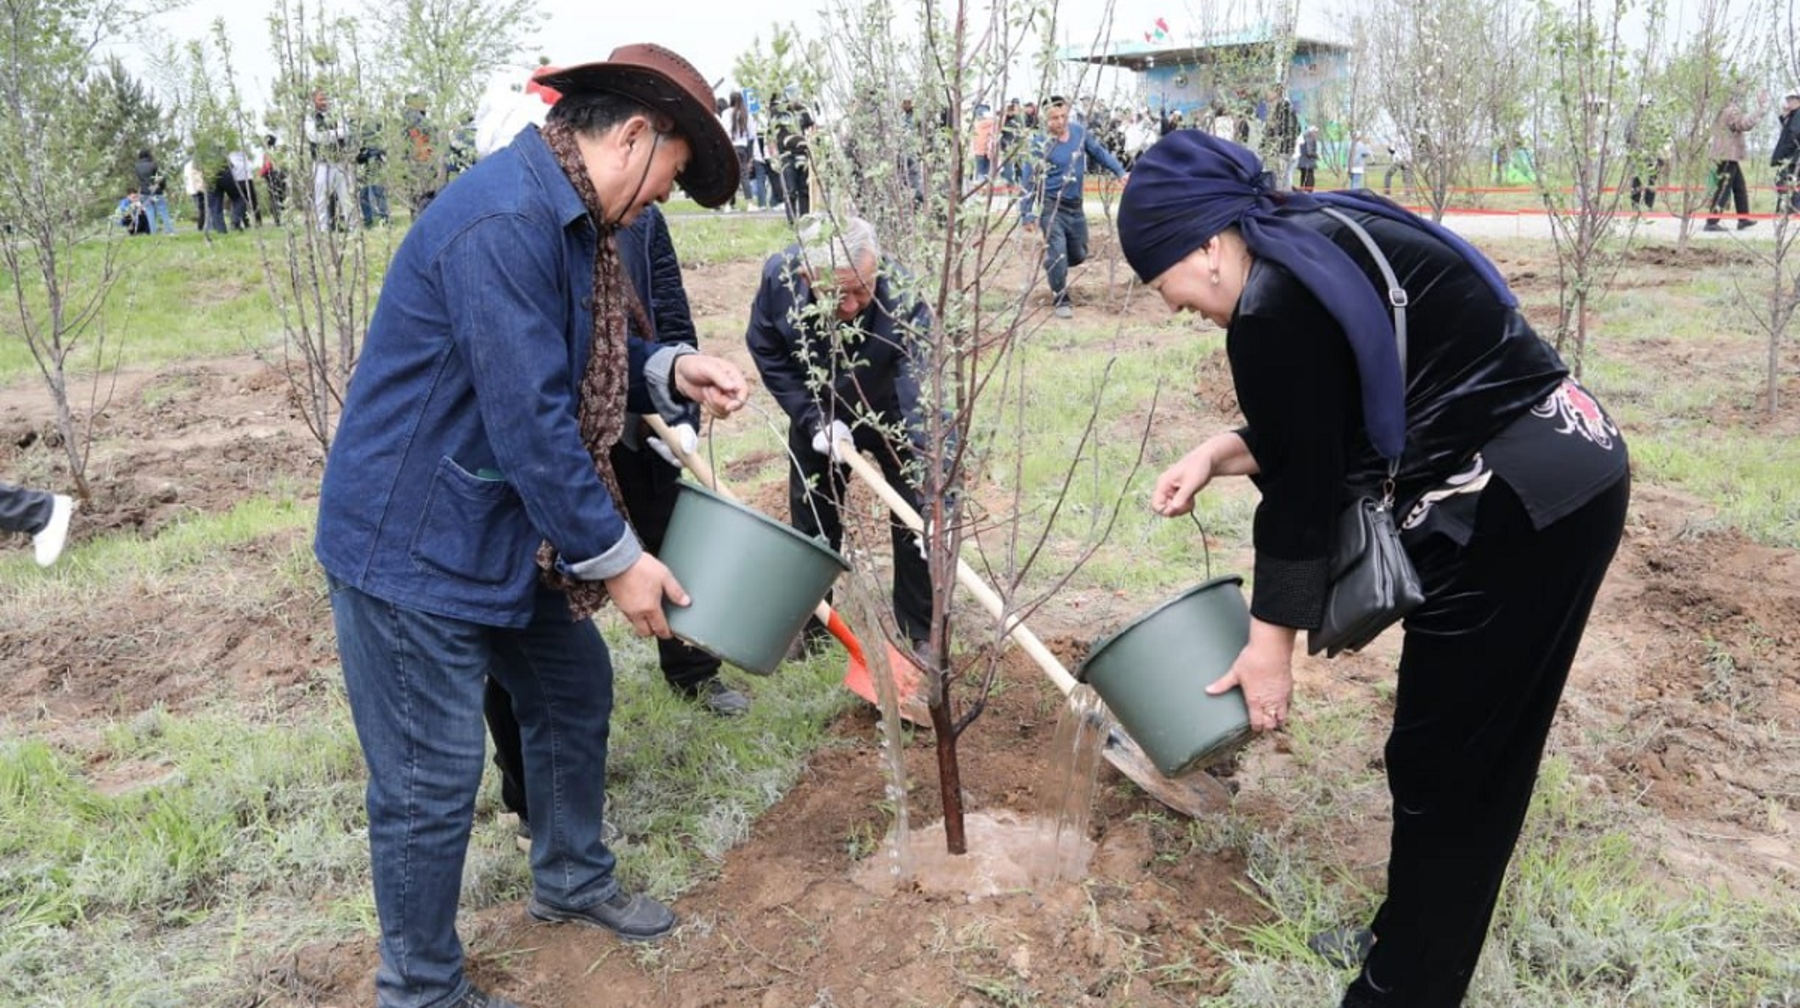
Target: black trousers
point(815, 487)
point(1730, 177)
point(649, 486)
point(1481, 672)
point(23, 509)
point(1643, 189)
point(796, 187)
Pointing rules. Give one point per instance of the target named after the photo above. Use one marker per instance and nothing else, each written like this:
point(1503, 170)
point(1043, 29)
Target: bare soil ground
point(1685, 703)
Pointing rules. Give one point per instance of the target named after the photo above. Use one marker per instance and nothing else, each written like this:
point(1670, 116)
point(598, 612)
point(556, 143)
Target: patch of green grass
point(176, 299)
point(1578, 924)
point(704, 238)
point(1751, 479)
point(198, 541)
point(172, 833)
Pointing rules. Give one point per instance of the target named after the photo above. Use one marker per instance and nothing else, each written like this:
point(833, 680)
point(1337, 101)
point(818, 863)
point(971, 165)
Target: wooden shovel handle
point(965, 575)
point(709, 479)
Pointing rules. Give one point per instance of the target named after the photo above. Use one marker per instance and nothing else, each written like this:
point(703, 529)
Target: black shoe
point(633, 918)
point(1344, 948)
point(1746, 224)
point(610, 835)
point(1713, 226)
point(475, 997)
point(811, 643)
point(717, 698)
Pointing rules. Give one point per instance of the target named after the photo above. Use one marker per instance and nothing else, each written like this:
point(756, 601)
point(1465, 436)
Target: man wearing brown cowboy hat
point(467, 520)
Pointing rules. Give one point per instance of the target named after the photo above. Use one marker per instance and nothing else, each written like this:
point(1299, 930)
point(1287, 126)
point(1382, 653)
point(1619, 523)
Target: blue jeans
point(1065, 242)
point(158, 209)
point(415, 683)
point(373, 198)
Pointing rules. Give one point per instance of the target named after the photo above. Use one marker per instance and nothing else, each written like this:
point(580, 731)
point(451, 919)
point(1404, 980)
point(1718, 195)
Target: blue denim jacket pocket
point(459, 503)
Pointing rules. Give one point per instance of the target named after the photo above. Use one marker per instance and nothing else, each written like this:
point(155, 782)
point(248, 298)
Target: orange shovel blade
point(909, 678)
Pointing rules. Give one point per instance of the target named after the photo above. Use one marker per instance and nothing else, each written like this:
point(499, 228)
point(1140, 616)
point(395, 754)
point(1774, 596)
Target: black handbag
point(1372, 583)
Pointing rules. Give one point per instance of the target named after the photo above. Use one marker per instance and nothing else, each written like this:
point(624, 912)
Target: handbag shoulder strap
point(1396, 295)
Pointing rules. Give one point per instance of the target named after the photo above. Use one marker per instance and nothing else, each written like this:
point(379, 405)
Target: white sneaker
point(49, 543)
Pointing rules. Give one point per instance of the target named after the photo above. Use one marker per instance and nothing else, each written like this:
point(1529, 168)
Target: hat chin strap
point(619, 221)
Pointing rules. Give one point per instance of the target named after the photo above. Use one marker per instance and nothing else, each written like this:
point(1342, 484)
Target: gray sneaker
point(633, 918)
point(1064, 311)
point(719, 698)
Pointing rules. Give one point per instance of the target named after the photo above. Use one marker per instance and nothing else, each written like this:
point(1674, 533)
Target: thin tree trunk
point(943, 724)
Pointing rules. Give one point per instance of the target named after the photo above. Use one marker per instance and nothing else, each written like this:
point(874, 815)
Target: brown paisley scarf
point(605, 382)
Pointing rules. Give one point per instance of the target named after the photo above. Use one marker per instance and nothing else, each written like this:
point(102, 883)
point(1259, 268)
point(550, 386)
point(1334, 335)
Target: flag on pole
point(1159, 31)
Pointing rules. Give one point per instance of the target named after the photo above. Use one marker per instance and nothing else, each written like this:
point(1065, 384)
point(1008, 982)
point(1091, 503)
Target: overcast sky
point(710, 33)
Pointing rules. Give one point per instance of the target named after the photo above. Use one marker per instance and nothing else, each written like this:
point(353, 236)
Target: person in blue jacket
point(649, 477)
point(1052, 178)
point(469, 522)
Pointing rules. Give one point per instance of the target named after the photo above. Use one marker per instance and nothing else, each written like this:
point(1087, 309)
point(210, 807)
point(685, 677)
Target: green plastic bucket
point(751, 581)
point(1153, 675)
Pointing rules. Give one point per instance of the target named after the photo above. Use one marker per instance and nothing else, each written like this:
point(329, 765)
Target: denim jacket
point(459, 447)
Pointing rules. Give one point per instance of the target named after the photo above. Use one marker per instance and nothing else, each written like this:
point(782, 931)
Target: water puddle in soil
point(1008, 852)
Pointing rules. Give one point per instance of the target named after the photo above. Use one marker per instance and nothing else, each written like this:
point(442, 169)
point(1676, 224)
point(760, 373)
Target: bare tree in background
point(1691, 90)
point(61, 259)
point(438, 56)
point(1587, 66)
point(1775, 315)
point(1433, 60)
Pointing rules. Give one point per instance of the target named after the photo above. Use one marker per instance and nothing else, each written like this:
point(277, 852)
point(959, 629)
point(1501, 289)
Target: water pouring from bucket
point(1153, 675)
point(1196, 795)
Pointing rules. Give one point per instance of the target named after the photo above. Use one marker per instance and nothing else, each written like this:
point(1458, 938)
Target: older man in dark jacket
point(834, 333)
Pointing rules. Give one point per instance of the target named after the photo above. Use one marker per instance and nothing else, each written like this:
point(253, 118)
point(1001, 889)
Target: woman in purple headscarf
point(1511, 490)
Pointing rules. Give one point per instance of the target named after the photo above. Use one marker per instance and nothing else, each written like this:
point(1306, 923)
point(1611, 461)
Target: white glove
point(685, 438)
point(826, 440)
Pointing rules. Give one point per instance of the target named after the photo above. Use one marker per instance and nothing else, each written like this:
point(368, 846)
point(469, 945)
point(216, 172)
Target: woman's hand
point(1220, 455)
point(1264, 670)
point(1176, 487)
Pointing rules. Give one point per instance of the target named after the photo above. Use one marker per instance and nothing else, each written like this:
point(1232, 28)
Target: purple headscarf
point(1190, 186)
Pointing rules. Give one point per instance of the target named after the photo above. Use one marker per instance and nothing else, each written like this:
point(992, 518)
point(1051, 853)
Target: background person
point(468, 520)
point(328, 141)
point(1785, 158)
point(155, 190)
point(1053, 204)
point(1306, 158)
point(131, 214)
point(1512, 486)
point(1729, 151)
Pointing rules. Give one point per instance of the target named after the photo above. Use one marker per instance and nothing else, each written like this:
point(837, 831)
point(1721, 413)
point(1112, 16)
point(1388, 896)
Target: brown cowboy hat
point(664, 82)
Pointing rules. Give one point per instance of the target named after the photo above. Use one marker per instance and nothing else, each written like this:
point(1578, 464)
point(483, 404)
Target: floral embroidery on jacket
point(1579, 413)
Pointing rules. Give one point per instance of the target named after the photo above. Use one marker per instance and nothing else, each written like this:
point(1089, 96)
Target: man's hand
point(639, 594)
point(713, 382)
point(826, 440)
point(686, 443)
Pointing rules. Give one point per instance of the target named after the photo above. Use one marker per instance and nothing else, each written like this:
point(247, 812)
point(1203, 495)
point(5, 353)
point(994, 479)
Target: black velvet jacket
point(1473, 366)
